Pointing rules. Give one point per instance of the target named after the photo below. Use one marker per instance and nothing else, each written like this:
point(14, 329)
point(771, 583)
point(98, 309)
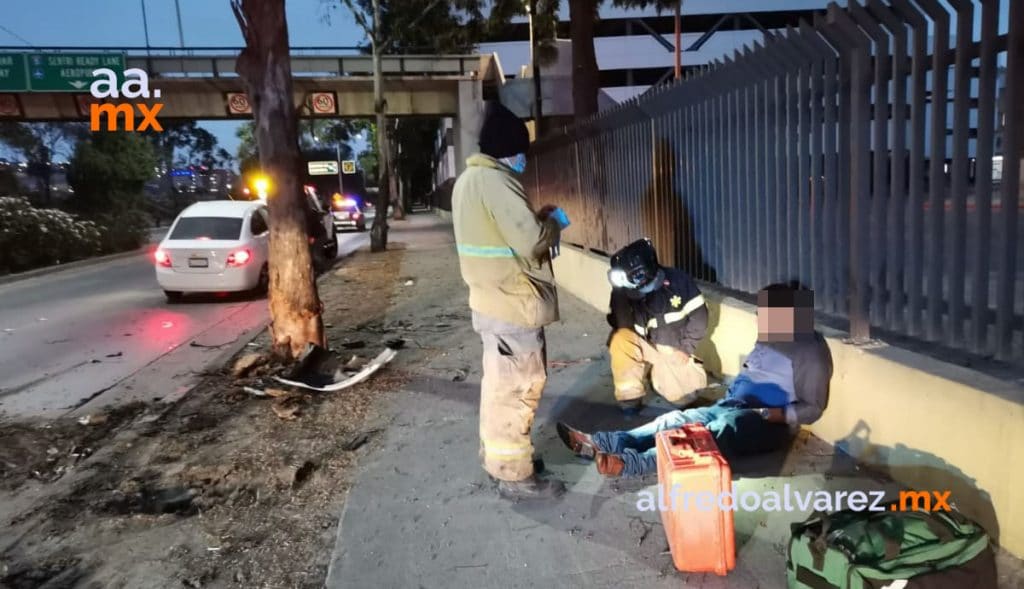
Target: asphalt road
point(78, 339)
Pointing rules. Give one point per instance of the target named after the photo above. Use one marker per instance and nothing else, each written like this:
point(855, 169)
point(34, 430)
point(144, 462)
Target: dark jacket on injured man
point(791, 375)
point(674, 315)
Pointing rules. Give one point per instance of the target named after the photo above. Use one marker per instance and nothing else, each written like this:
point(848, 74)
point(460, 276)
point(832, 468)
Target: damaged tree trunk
point(396, 193)
point(586, 80)
point(379, 231)
point(265, 67)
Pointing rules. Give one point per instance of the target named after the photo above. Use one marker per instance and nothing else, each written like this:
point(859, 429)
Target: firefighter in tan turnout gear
point(504, 253)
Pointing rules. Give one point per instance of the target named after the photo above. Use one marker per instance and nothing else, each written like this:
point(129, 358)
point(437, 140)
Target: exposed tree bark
point(265, 68)
point(585, 76)
point(379, 231)
point(396, 193)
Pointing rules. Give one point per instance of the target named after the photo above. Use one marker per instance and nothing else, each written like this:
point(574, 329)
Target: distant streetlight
point(145, 24)
point(181, 33)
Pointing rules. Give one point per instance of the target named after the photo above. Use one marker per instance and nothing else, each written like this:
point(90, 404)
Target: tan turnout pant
point(674, 375)
point(515, 370)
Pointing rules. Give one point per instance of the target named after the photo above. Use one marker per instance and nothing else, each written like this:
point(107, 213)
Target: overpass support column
point(468, 121)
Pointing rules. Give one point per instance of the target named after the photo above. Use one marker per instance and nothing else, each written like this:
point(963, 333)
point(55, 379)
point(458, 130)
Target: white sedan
point(215, 246)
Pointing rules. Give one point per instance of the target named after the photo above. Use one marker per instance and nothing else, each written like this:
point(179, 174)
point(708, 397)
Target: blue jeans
point(739, 431)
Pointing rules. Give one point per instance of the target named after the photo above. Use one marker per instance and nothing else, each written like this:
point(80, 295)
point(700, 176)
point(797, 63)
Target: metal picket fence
point(873, 154)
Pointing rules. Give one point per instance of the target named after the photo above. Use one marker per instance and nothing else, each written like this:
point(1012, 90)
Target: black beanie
point(502, 134)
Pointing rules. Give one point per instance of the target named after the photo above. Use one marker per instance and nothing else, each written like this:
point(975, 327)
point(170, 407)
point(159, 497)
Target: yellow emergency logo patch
point(675, 302)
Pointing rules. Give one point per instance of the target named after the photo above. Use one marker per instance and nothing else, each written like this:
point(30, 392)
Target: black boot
point(532, 488)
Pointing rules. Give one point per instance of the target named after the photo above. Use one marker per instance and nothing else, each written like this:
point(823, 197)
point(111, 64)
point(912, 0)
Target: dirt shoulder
point(215, 491)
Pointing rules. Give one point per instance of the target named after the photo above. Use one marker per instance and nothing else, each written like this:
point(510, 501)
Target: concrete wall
point(928, 424)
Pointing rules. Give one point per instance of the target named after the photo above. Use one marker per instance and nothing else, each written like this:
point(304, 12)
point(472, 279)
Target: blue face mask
point(517, 162)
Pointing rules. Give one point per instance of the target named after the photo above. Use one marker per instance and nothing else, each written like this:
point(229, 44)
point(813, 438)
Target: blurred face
point(776, 324)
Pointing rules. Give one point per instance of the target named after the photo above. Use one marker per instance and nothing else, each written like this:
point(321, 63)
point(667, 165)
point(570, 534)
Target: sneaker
point(609, 465)
point(532, 488)
point(578, 442)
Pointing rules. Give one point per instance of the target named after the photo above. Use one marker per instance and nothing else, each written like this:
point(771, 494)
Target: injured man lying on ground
point(784, 384)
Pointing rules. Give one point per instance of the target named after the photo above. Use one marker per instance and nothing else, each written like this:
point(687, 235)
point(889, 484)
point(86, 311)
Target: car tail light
point(162, 258)
point(239, 258)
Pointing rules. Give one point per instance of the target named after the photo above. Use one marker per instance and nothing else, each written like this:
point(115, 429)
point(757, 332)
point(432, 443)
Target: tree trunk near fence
point(265, 68)
point(586, 81)
point(396, 193)
point(379, 230)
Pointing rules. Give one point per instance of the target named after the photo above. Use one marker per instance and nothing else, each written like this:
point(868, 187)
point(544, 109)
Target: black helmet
point(635, 266)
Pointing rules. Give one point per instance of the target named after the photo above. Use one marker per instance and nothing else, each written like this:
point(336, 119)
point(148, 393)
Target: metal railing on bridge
point(832, 155)
point(219, 62)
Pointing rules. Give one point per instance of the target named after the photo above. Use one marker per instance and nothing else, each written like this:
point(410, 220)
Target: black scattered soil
point(216, 491)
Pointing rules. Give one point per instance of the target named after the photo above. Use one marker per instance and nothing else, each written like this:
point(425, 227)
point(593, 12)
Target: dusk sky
point(312, 23)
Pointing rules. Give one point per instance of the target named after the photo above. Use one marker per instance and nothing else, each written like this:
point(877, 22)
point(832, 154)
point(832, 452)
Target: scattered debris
point(293, 475)
point(395, 344)
point(567, 363)
point(8, 330)
point(42, 319)
point(358, 440)
point(198, 344)
point(460, 375)
point(312, 360)
point(354, 345)
point(176, 500)
point(643, 531)
point(115, 355)
point(355, 363)
point(255, 392)
point(383, 358)
point(289, 406)
point(247, 363)
point(269, 392)
point(410, 282)
point(97, 419)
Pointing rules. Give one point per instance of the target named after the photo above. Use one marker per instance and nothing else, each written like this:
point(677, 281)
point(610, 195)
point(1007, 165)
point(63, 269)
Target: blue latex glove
point(563, 222)
point(560, 216)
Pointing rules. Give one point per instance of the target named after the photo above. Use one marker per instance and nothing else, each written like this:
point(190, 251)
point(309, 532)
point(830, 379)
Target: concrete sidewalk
point(422, 513)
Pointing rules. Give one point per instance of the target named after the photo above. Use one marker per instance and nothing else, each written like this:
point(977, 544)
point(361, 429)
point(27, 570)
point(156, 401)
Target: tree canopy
point(109, 171)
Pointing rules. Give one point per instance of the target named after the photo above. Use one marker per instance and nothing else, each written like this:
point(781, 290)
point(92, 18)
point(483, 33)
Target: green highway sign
point(12, 72)
point(69, 72)
point(324, 168)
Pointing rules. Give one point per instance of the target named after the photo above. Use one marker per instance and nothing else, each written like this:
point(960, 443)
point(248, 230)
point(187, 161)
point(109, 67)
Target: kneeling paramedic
point(658, 317)
point(505, 257)
point(784, 384)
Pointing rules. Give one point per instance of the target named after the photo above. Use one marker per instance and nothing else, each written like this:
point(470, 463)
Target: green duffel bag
point(890, 550)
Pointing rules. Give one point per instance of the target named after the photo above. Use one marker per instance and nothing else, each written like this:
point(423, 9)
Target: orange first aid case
point(700, 533)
